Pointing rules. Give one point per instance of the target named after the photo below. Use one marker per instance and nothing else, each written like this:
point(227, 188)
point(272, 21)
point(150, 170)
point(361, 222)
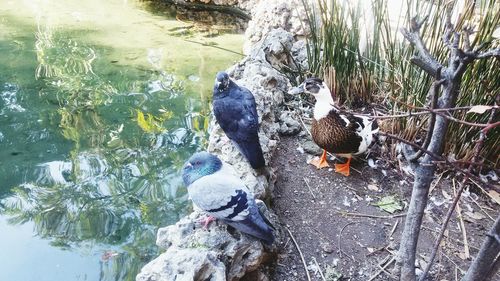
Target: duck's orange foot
point(320, 162)
point(344, 169)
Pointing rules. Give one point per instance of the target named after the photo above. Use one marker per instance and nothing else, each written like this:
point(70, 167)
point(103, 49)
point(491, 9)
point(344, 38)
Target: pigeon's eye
point(197, 163)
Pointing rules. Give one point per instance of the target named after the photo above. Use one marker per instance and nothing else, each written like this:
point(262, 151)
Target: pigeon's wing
point(222, 195)
point(237, 114)
point(250, 106)
point(225, 197)
point(255, 224)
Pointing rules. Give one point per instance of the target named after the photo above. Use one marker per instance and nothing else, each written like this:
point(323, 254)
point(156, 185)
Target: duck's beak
point(297, 90)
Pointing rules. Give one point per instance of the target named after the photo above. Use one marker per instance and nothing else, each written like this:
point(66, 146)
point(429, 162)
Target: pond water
point(101, 102)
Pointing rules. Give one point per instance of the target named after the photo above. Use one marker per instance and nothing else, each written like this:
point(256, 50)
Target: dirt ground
point(343, 236)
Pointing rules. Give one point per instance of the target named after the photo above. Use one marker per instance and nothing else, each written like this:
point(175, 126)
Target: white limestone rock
point(172, 265)
point(288, 125)
point(221, 252)
point(273, 14)
point(194, 253)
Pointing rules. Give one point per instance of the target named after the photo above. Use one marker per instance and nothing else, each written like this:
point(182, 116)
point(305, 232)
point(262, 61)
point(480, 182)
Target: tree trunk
point(483, 267)
point(423, 178)
point(451, 78)
point(409, 238)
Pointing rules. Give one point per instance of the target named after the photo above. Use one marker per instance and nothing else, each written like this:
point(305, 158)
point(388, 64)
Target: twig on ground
point(300, 253)
point(434, 184)
point(387, 258)
point(484, 191)
point(309, 187)
point(304, 125)
point(286, 243)
point(319, 269)
point(466, 163)
point(458, 242)
point(376, 250)
point(387, 272)
point(482, 209)
point(462, 225)
point(354, 169)
point(394, 228)
point(340, 237)
point(453, 262)
point(370, 216)
point(383, 269)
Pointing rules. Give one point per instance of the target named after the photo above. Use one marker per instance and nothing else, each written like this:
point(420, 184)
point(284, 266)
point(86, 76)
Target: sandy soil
point(343, 246)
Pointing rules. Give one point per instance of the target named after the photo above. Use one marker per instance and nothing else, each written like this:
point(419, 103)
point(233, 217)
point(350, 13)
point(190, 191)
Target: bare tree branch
point(467, 32)
point(433, 92)
point(425, 60)
point(452, 164)
point(484, 55)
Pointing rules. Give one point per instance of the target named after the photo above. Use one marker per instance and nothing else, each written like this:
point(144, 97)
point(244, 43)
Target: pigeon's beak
point(297, 90)
point(217, 84)
point(188, 166)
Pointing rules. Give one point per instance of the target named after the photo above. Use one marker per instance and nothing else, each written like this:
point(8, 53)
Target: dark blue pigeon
point(236, 113)
point(215, 189)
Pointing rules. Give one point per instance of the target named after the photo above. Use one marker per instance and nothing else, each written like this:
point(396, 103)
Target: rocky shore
point(221, 253)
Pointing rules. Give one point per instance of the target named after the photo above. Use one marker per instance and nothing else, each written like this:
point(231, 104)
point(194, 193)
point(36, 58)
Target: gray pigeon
point(236, 112)
point(216, 190)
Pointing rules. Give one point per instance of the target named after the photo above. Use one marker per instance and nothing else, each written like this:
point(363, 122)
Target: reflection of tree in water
point(120, 182)
point(211, 19)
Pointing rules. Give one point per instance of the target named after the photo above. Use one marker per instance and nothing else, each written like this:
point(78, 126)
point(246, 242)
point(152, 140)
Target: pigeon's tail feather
point(252, 152)
point(256, 228)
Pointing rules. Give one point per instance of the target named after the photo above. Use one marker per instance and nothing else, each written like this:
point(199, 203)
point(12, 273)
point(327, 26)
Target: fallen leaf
point(462, 255)
point(389, 204)
point(446, 195)
point(372, 187)
point(475, 215)
point(480, 109)
point(495, 196)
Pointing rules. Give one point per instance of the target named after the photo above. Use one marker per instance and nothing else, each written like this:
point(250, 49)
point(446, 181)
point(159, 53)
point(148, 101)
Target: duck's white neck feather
point(324, 103)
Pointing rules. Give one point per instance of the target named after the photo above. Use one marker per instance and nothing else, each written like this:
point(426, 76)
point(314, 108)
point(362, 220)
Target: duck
point(213, 187)
point(236, 112)
point(340, 133)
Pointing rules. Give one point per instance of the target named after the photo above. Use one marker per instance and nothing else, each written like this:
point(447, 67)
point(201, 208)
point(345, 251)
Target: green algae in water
point(100, 105)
